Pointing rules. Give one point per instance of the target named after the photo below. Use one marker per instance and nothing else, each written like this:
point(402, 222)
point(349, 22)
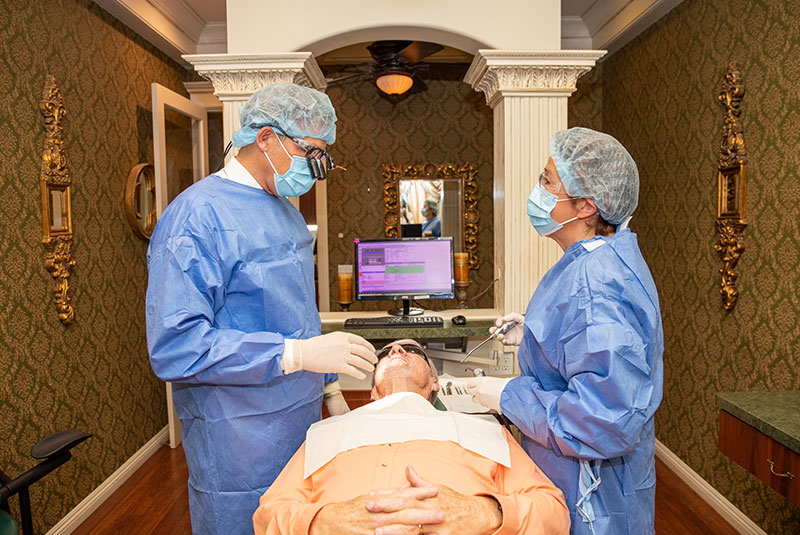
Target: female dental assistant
point(231, 314)
point(591, 342)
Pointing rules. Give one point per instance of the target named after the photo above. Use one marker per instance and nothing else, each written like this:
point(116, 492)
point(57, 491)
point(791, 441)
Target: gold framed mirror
point(55, 185)
point(140, 199)
point(433, 200)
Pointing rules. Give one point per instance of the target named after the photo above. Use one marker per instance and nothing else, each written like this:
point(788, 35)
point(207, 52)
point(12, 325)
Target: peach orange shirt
point(531, 504)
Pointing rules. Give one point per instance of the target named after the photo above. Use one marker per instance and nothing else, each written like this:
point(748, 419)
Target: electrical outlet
point(504, 363)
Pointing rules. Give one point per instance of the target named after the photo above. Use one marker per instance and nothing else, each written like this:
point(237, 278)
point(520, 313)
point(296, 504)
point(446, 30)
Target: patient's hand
point(463, 515)
point(354, 517)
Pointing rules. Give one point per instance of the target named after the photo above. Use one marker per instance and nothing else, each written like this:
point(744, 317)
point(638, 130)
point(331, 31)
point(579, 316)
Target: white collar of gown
point(235, 172)
point(402, 417)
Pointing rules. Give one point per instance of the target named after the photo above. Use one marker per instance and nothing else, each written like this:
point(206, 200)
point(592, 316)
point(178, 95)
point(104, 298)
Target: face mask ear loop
point(283, 147)
point(274, 171)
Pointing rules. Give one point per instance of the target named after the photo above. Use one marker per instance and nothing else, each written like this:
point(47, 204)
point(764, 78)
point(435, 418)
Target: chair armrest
point(57, 443)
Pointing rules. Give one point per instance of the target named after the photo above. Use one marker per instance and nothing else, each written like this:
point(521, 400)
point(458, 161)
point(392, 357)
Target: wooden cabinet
point(770, 461)
point(354, 399)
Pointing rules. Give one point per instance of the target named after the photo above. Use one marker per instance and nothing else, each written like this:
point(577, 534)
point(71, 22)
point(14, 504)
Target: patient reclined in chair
point(400, 463)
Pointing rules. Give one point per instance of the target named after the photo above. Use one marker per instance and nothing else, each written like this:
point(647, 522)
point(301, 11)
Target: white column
point(528, 91)
point(237, 76)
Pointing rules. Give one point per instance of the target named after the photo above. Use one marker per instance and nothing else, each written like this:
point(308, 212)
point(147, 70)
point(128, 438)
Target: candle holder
point(461, 293)
point(345, 305)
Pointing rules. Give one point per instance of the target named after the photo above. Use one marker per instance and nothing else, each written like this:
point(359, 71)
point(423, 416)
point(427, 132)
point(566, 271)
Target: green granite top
point(775, 413)
point(448, 331)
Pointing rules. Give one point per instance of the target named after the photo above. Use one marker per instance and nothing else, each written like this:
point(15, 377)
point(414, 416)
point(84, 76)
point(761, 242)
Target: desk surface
point(478, 323)
point(773, 413)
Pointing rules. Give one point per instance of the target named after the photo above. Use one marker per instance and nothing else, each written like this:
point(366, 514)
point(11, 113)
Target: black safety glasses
point(319, 160)
point(408, 348)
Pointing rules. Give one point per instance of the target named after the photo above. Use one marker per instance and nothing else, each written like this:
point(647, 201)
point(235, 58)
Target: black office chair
point(54, 449)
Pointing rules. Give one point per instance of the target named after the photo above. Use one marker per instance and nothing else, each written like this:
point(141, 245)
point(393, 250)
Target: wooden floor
point(154, 501)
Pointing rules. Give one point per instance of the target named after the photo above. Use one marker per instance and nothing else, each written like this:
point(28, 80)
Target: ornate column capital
point(237, 76)
point(500, 73)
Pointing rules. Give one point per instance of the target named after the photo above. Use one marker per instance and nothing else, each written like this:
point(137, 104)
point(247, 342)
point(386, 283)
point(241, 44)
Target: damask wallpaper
point(93, 375)
point(447, 123)
point(585, 106)
point(659, 98)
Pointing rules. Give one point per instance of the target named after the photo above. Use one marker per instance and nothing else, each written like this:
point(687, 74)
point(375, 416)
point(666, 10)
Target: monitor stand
point(406, 310)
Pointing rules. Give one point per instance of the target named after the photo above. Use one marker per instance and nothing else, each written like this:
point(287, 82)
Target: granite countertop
point(472, 328)
point(774, 413)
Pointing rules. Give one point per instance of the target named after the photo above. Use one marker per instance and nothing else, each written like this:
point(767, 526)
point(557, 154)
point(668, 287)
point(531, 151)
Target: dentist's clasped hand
point(514, 336)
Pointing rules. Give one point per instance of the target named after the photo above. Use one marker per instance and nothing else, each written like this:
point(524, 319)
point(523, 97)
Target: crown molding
point(501, 73)
point(238, 75)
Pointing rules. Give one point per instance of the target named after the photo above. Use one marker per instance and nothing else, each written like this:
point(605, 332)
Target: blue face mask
point(540, 205)
point(424, 212)
point(297, 180)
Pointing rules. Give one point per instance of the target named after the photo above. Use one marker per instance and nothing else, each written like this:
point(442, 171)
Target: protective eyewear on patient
point(408, 348)
point(319, 160)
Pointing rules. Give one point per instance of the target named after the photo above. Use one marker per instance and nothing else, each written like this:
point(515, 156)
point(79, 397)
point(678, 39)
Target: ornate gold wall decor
point(56, 199)
point(732, 184)
point(140, 199)
point(466, 173)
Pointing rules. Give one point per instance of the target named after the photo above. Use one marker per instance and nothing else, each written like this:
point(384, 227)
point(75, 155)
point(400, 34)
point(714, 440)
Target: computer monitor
point(411, 230)
point(404, 269)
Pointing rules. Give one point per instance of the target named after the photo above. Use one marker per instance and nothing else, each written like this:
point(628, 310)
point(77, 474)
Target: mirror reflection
point(59, 212)
point(431, 208)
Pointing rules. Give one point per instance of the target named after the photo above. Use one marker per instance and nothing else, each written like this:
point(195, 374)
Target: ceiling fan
point(396, 67)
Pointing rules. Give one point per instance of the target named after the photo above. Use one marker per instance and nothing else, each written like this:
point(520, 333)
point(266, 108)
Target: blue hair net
point(595, 165)
point(297, 110)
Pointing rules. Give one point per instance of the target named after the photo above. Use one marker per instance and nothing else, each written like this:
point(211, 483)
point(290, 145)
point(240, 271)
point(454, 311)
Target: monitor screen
point(411, 230)
point(406, 268)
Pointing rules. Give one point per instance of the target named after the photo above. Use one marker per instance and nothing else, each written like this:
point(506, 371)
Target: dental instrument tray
point(393, 321)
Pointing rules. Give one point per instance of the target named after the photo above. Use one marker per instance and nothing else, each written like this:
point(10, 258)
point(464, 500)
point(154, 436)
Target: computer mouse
point(459, 320)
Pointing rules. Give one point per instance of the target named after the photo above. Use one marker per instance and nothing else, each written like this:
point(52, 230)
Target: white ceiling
point(180, 27)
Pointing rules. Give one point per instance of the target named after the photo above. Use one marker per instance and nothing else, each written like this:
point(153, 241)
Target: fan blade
point(417, 51)
point(418, 87)
point(351, 78)
point(384, 52)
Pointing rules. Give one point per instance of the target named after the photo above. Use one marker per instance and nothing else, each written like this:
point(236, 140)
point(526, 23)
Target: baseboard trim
point(737, 519)
point(88, 505)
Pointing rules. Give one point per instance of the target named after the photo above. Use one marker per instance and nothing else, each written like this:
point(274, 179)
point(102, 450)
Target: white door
point(170, 182)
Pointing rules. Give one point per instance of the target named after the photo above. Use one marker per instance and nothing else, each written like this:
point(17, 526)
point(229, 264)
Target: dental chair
point(54, 449)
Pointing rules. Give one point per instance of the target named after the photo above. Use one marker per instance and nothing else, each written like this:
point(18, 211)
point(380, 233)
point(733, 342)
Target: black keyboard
point(393, 321)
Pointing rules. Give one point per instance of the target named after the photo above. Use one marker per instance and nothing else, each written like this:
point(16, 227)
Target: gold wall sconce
point(140, 200)
point(732, 185)
point(55, 184)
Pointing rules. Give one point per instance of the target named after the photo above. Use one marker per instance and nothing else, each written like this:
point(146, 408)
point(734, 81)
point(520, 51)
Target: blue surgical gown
point(591, 380)
point(231, 273)
point(432, 225)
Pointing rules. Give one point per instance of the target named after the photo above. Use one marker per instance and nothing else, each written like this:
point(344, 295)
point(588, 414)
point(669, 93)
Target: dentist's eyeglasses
point(408, 348)
point(319, 160)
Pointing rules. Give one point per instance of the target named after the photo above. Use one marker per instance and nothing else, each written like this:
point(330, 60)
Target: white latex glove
point(336, 404)
point(487, 390)
point(514, 336)
point(336, 352)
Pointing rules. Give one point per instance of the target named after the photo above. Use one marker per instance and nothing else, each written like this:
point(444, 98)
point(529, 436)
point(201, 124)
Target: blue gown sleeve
point(331, 377)
point(185, 289)
point(603, 409)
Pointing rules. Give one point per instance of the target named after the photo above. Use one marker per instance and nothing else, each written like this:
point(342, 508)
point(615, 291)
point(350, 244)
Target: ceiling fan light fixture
point(394, 83)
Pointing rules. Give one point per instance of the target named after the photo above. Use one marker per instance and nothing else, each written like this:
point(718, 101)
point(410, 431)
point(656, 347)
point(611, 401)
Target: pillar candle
point(345, 287)
point(461, 266)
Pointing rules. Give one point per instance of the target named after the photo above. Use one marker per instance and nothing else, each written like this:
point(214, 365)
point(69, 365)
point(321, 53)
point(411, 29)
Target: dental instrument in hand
point(502, 330)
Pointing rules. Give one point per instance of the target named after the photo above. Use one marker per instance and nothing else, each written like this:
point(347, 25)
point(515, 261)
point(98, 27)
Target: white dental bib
point(402, 417)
